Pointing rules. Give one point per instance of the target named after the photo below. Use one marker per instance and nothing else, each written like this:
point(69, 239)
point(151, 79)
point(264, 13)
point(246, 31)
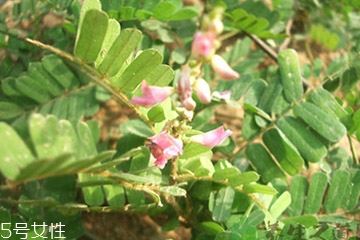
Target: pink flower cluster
point(203, 46)
point(164, 147)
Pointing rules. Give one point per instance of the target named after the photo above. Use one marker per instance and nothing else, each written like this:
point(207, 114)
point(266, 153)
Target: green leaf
point(307, 143)
point(123, 46)
point(156, 114)
point(135, 178)
point(269, 97)
point(59, 71)
point(290, 74)
point(164, 10)
point(336, 193)
point(115, 195)
point(92, 34)
point(14, 154)
point(326, 101)
point(253, 109)
point(250, 23)
point(283, 150)
point(324, 37)
point(93, 195)
point(249, 128)
point(184, 13)
point(173, 190)
point(322, 122)
point(8, 87)
point(52, 137)
point(258, 188)
point(138, 70)
point(30, 88)
point(9, 110)
point(280, 205)
point(199, 166)
point(223, 200)
point(305, 220)
point(315, 193)
point(86, 6)
point(196, 158)
point(161, 75)
point(112, 33)
point(193, 150)
point(355, 192)
point(37, 71)
point(298, 189)
point(136, 127)
point(211, 228)
point(234, 176)
point(263, 162)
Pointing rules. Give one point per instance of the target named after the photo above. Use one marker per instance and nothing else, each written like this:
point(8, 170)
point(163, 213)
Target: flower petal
point(203, 44)
point(151, 95)
point(221, 67)
point(164, 147)
point(202, 90)
point(212, 138)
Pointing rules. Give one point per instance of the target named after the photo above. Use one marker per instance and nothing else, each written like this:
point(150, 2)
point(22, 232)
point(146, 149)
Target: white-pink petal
point(151, 95)
point(212, 138)
point(221, 67)
point(203, 91)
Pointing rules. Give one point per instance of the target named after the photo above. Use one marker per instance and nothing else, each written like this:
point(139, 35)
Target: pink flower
point(212, 138)
point(202, 90)
point(185, 90)
point(151, 95)
point(221, 67)
point(203, 44)
point(164, 147)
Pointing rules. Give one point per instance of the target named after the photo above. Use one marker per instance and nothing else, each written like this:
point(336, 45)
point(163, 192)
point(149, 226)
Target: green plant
point(284, 175)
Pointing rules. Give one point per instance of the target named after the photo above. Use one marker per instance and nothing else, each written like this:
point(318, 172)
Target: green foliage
point(249, 23)
point(290, 74)
point(48, 87)
point(282, 174)
point(60, 149)
point(113, 53)
point(324, 37)
point(164, 10)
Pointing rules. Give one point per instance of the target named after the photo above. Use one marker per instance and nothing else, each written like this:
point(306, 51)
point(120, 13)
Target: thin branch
point(266, 48)
point(94, 75)
point(352, 149)
point(188, 177)
point(78, 207)
point(288, 33)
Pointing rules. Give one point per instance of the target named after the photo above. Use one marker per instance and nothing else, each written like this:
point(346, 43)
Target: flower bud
point(189, 104)
point(216, 25)
point(203, 44)
point(221, 67)
point(185, 90)
point(202, 90)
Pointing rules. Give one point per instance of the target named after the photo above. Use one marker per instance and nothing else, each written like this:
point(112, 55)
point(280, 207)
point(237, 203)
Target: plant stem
point(266, 48)
point(187, 178)
point(352, 149)
point(92, 73)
